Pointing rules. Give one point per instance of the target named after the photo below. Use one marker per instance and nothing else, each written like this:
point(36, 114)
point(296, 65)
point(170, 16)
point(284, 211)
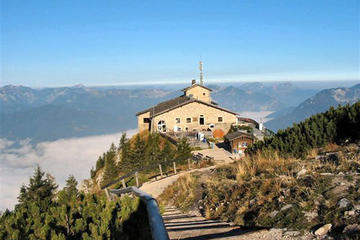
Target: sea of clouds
point(60, 158)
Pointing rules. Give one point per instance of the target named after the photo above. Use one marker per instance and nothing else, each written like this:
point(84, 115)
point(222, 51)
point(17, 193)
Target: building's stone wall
point(194, 110)
point(198, 93)
point(141, 125)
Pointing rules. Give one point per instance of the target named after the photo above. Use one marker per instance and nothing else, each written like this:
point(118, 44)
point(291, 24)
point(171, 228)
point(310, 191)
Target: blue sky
point(60, 42)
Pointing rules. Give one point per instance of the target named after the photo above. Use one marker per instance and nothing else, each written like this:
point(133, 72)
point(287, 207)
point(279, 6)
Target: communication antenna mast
point(201, 73)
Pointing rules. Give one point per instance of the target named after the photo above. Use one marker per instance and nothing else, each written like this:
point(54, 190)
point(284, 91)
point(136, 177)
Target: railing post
point(161, 173)
point(174, 164)
point(189, 163)
point(137, 179)
point(123, 183)
point(107, 193)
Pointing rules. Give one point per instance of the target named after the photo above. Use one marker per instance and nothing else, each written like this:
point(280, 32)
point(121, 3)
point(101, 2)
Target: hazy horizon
point(174, 85)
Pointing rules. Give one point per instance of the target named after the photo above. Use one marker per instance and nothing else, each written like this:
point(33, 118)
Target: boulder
point(332, 158)
point(352, 229)
point(344, 203)
point(311, 215)
point(350, 213)
point(286, 207)
point(291, 234)
point(301, 172)
point(273, 214)
point(323, 230)
point(326, 174)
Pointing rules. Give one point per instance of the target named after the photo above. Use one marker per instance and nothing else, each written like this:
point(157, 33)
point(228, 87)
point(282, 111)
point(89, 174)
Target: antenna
point(201, 73)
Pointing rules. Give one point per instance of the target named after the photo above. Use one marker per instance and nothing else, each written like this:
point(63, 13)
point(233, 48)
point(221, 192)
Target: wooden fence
point(135, 173)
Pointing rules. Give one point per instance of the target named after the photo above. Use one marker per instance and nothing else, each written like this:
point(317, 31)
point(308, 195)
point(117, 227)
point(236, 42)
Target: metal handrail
point(158, 230)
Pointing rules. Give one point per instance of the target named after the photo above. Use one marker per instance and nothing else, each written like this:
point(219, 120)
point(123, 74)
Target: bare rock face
point(99, 178)
point(323, 230)
point(86, 186)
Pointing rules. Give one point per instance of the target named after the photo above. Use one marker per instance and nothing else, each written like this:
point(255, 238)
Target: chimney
point(193, 82)
point(261, 125)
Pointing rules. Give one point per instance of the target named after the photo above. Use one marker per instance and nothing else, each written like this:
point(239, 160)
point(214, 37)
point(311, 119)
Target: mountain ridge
point(316, 104)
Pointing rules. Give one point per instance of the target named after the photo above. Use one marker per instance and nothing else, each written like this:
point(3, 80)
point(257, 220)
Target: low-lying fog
point(59, 158)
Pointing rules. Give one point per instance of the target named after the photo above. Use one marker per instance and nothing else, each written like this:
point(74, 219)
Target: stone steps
point(187, 226)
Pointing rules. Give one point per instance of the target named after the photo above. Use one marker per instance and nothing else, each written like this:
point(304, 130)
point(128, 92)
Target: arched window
point(162, 126)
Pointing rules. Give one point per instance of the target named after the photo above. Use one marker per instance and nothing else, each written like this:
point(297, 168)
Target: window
point(220, 119)
point(177, 120)
point(162, 126)
point(188, 120)
point(204, 94)
point(146, 120)
point(201, 120)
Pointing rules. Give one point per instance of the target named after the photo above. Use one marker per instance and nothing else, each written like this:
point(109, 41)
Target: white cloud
point(60, 158)
point(4, 143)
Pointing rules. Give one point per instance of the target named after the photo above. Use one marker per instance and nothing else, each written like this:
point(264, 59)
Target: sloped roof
point(249, 120)
point(196, 85)
point(235, 135)
point(178, 102)
point(163, 106)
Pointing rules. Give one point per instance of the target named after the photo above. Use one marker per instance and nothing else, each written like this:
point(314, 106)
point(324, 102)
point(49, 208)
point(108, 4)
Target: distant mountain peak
point(79, 86)
point(316, 104)
point(357, 86)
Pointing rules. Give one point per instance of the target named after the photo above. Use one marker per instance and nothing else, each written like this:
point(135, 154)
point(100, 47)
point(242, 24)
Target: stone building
point(192, 111)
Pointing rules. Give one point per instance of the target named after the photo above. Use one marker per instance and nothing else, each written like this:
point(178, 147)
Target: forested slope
point(337, 125)
point(45, 213)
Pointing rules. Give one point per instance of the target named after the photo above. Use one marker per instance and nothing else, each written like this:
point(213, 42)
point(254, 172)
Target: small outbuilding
point(238, 141)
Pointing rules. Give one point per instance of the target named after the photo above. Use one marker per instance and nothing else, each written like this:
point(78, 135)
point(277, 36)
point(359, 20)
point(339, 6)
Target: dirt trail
point(157, 187)
point(188, 226)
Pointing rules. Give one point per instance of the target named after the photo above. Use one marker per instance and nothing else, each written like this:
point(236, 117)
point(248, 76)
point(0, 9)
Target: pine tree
point(110, 171)
point(70, 192)
point(112, 151)
point(92, 172)
point(138, 153)
point(152, 152)
point(167, 154)
point(125, 153)
point(71, 185)
point(40, 190)
point(122, 141)
point(183, 151)
point(100, 163)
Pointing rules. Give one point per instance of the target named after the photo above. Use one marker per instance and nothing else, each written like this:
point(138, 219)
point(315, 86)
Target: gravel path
point(157, 187)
